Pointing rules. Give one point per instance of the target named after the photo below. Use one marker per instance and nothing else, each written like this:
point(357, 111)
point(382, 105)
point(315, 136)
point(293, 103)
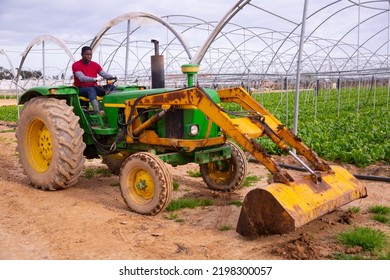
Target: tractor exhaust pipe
point(157, 67)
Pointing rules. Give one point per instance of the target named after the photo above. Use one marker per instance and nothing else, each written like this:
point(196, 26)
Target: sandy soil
point(91, 221)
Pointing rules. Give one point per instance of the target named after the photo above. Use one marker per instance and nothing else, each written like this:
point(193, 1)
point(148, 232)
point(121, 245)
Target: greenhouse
point(337, 50)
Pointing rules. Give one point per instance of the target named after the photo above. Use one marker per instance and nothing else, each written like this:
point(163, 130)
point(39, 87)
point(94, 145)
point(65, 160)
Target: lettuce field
point(349, 126)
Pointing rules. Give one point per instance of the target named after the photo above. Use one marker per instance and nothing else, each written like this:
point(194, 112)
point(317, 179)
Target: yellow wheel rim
point(39, 146)
point(141, 185)
point(220, 171)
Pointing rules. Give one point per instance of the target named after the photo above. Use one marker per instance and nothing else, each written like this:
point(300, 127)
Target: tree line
point(6, 74)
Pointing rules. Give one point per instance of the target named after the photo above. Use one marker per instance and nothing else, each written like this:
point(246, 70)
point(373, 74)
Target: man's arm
point(106, 75)
point(84, 79)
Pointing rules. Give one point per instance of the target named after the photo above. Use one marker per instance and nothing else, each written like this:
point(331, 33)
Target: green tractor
point(143, 130)
point(57, 130)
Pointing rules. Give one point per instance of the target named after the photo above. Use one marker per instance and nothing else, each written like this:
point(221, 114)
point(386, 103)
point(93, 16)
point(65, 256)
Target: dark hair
point(85, 48)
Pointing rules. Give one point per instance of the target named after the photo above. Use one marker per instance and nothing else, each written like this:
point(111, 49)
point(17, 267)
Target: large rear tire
point(50, 143)
point(146, 184)
point(226, 175)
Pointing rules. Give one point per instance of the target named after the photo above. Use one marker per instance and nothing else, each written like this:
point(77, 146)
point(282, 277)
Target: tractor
point(143, 130)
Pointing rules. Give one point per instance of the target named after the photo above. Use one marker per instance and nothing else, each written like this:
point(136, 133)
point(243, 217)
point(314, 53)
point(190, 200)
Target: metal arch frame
point(140, 59)
point(133, 15)
point(297, 26)
point(115, 51)
point(322, 49)
point(208, 23)
point(38, 40)
point(282, 53)
point(260, 52)
point(331, 16)
point(294, 44)
point(175, 59)
point(347, 33)
point(367, 60)
point(9, 61)
point(385, 62)
point(223, 55)
point(165, 49)
point(225, 19)
point(362, 4)
point(234, 49)
point(203, 22)
point(254, 36)
point(267, 45)
point(307, 38)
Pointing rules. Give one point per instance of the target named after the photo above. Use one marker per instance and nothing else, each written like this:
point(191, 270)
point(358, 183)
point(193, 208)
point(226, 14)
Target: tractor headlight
point(194, 129)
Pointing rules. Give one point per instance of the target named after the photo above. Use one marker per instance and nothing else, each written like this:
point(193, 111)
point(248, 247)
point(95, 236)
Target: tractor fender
point(60, 92)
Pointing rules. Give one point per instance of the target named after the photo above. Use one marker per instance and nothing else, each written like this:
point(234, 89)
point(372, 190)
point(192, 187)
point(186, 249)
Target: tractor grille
point(174, 124)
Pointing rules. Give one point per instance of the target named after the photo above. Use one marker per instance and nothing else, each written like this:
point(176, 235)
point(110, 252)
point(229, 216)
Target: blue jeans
point(92, 92)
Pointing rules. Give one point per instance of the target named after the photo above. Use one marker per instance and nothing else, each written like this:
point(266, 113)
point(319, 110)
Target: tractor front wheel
point(226, 175)
point(145, 183)
point(50, 143)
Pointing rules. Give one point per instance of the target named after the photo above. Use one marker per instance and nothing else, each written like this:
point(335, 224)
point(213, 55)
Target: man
point(85, 73)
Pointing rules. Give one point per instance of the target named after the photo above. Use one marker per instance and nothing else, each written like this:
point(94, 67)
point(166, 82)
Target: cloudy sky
point(78, 21)
point(22, 20)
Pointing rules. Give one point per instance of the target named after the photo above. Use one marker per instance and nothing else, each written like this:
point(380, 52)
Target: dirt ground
point(91, 221)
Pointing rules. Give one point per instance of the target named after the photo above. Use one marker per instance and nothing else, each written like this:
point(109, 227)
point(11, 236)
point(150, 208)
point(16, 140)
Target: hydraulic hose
point(358, 176)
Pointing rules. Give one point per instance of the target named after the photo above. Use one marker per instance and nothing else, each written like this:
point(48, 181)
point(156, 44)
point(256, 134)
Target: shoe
point(101, 113)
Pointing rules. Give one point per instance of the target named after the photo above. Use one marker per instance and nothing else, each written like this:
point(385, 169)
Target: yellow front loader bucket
point(281, 208)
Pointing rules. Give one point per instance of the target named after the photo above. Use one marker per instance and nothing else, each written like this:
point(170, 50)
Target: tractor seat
point(82, 98)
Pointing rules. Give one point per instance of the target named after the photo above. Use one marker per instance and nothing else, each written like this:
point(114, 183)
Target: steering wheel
point(112, 80)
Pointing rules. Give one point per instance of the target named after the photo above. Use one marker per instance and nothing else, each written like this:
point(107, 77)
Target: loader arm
point(272, 127)
point(241, 130)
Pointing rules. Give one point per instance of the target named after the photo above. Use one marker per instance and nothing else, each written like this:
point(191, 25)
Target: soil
point(91, 221)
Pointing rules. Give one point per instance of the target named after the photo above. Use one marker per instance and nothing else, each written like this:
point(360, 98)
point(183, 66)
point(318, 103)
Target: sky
point(78, 21)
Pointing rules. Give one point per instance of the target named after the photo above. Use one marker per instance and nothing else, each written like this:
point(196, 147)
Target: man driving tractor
point(86, 78)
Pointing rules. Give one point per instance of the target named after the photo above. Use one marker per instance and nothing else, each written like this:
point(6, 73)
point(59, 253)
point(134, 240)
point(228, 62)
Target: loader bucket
point(280, 208)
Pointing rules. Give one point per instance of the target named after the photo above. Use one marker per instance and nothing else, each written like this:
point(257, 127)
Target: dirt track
point(91, 221)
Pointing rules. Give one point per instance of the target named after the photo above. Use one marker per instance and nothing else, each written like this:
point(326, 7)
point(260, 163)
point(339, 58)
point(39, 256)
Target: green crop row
point(350, 127)
point(8, 113)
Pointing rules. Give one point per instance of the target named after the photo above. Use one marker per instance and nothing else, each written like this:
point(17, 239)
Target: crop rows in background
point(350, 126)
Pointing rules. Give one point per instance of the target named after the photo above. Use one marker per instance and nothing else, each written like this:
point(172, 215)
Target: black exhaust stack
point(174, 119)
point(157, 62)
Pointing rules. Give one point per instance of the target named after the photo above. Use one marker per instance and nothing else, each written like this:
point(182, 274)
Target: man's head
point(86, 54)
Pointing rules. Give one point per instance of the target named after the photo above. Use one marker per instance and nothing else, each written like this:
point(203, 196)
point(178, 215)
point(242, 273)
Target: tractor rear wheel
point(226, 175)
point(50, 143)
point(145, 182)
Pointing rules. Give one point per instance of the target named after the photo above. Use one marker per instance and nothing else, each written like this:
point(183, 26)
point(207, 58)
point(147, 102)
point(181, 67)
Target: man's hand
point(98, 79)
